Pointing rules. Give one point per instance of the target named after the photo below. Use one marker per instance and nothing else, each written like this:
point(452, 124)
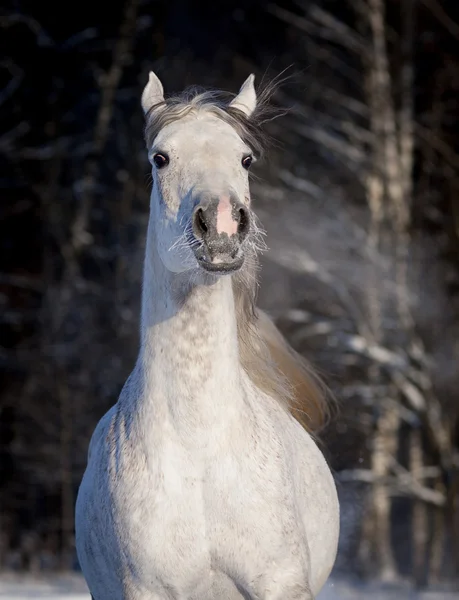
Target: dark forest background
point(359, 196)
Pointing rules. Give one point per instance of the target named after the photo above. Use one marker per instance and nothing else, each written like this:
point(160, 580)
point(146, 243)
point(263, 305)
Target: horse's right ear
point(153, 93)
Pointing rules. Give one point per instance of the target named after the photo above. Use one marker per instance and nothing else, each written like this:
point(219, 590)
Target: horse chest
point(215, 510)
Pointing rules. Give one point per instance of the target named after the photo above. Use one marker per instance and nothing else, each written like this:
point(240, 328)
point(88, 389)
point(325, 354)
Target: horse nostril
point(243, 222)
point(200, 225)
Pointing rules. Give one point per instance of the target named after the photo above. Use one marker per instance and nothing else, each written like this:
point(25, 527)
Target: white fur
point(199, 486)
point(153, 92)
point(205, 154)
point(246, 100)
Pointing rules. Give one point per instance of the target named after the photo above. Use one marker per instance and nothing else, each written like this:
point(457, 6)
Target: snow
point(73, 587)
point(65, 587)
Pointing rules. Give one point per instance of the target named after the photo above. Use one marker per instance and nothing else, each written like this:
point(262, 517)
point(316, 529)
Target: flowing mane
point(267, 358)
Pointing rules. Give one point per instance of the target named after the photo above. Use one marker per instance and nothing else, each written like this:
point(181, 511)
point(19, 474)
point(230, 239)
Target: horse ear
point(246, 100)
point(153, 93)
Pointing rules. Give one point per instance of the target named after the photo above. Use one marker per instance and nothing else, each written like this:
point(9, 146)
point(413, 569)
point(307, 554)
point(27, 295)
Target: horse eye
point(160, 160)
point(247, 161)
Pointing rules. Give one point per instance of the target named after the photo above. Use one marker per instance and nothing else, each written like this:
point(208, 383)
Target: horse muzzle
point(220, 225)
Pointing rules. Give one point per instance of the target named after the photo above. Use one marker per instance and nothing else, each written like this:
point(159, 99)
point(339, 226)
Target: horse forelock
point(217, 103)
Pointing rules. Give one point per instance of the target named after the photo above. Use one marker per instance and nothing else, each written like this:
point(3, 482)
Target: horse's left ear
point(153, 93)
point(246, 100)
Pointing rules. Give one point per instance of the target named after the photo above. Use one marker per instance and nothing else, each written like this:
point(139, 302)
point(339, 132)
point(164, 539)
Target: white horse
point(200, 483)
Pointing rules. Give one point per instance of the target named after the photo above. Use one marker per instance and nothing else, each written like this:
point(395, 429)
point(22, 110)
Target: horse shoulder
point(318, 502)
point(101, 430)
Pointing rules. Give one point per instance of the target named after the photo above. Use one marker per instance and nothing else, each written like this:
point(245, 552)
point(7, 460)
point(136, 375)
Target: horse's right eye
point(247, 161)
point(160, 160)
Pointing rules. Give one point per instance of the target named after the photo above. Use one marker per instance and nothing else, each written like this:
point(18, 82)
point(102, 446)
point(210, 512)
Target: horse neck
point(189, 359)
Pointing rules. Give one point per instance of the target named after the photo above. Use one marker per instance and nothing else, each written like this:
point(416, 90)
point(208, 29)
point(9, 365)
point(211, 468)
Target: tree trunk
point(419, 522)
point(437, 545)
point(384, 448)
point(67, 513)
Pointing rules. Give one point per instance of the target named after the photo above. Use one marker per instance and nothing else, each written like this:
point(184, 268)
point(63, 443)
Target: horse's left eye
point(160, 160)
point(247, 161)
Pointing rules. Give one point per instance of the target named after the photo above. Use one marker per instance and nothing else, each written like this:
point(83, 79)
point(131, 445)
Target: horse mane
point(265, 355)
point(272, 364)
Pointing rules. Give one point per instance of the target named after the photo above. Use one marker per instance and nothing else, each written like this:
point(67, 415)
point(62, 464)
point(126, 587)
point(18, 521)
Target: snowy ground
point(72, 587)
